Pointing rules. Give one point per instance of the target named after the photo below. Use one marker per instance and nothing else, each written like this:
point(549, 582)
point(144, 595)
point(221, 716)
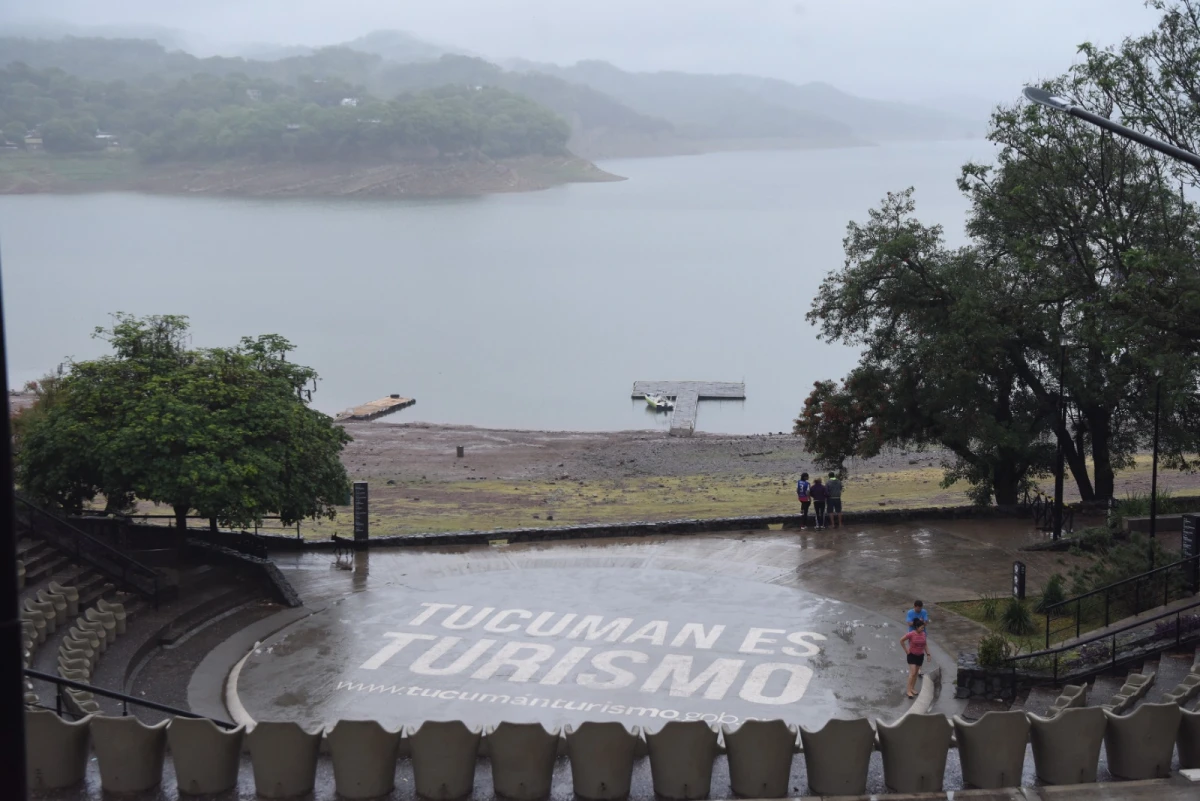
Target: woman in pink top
point(913, 644)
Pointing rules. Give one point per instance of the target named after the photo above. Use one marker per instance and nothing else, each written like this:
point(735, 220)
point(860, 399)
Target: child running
point(913, 644)
point(802, 490)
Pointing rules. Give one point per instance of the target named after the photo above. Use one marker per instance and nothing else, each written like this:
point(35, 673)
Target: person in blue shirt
point(803, 488)
point(918, 611)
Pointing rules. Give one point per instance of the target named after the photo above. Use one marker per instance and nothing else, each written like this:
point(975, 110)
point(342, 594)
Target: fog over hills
point(612, 112)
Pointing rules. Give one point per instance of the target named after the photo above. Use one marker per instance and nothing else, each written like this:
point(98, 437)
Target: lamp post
point(1044, 98)
point(1154, 462)
point(1060, 456)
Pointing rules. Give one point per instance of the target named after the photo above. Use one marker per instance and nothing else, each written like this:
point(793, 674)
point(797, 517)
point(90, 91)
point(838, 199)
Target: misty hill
point(397, 46)
point(716, 106)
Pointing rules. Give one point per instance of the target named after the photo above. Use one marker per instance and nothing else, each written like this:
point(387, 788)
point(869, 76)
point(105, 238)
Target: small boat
point(659, 404)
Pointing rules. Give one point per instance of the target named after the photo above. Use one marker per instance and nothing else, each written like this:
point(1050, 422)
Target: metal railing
point(61, 683)
point(1127, 597)
point(1041, 508)
point(1172, 635)
point(83, 547)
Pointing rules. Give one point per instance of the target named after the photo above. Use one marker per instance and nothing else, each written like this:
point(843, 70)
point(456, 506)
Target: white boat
point(659, 404)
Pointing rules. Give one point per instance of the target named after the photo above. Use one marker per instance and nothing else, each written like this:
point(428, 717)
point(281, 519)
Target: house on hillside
point(33, 143)
point(349, 102)
point(254, 94)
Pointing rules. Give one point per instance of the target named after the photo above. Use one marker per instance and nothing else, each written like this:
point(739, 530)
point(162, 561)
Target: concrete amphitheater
point(742, 663)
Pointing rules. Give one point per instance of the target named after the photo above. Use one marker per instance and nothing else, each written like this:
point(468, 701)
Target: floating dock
point(687, 396)
point(376, 409)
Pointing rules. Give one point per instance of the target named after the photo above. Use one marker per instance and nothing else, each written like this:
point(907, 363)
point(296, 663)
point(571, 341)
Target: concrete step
point(1171, 670)
point(1103, 689)
point(1040, 699)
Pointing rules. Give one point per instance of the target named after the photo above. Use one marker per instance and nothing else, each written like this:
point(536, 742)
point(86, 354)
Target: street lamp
point(1059, 459)
point(1154, 461)
point(1044, 98)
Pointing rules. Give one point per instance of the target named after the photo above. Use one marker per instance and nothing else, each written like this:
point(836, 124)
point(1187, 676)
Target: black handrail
point(1108, 635)
point(125, 699)
point(86, 548)
point(1108, 590)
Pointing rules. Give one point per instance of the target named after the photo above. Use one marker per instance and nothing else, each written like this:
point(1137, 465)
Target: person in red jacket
point(820, 494)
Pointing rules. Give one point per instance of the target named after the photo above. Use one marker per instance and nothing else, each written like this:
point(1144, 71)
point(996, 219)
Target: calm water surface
point(528, 311)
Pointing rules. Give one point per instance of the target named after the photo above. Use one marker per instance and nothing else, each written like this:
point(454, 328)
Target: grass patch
point(90, 168)
point(413, 507)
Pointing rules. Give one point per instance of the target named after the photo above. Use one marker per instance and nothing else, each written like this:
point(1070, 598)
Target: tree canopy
point(224, 432)
point(1084, 257)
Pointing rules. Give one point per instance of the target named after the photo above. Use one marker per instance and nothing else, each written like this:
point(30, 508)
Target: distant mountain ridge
point(612, 112)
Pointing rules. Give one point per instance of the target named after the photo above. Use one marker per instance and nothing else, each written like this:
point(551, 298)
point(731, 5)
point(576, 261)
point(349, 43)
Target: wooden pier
point(375, 409)
point(687, 396)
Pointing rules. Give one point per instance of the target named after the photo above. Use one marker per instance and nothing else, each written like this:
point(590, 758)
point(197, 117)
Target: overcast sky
point(908, 49)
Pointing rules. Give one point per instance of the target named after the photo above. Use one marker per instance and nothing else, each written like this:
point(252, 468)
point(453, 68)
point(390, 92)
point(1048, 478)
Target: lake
point(534, 310)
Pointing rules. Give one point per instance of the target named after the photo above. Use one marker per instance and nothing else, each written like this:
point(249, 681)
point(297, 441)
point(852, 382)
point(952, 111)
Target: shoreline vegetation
point(39, 173)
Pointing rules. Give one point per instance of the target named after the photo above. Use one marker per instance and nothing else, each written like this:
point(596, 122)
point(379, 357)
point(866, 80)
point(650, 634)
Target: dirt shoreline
point(416, 178)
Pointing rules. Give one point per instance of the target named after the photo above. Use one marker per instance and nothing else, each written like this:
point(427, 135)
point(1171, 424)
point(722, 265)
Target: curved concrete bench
point(914, 752)
point(106, 619)
point(83, 666)
point(443, 759)
point(681, 759)
point(70, 593)
point(57, 602)
point(1066, 748)
point(129, 752)
point(364, 758)
point(522, 756)
point(1140, 745)
point(77, 649)
point(206, 757)
point(74, 675)
point(284, 758)
point(56, 750)
point(760, 758)
point(38, 622)
point(20, 574)
point(1185, 691)
point(1072, 697)
point(837, 756)
point(93, 633)
point(602, 757)
point(46, 610)
point(116, 610)
point(992, 749)
point(1188, 739)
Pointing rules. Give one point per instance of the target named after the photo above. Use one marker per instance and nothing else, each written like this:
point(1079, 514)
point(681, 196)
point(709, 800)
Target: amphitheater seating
point(20, 574)
point(206, 757)
point(838, 755)
point(992, 749)
point(284, 757)
point(1187, 689)
point(71, 594)
point(46, 610)
point(760, 758)
point(116, 610)
point(1135, 688)
point(56, 750)
point(38, 622)
point(522, 757)
point(914, 752)
point(129, 752)
point(443, 759)
point(364, 758)
point(1140, 745)
point(57, 602)
point(1066, 748)
point(681, 759)
point(1072, 696)
point(1188, 739)
point(602, 757)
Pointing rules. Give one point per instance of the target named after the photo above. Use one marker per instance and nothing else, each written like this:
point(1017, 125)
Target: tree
point(14, 132)
point(226, 432)
point(936, 369)
point(1084, 221)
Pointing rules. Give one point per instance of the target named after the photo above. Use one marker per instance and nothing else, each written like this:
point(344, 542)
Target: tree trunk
point(1102, 471)
point(212, 525)
point(1006, 484)
point(181, 519)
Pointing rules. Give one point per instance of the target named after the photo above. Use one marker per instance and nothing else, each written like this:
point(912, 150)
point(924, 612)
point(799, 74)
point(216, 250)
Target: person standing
point(819, 496)
point(834, 488)
point(917, 613)
point(913, 643)
point(802, 490)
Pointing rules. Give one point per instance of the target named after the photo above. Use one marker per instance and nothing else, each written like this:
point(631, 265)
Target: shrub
point(1118, 562)
point(1053, 593)
point(1016, 618)
point(993, 650)
point(1094, 653)
point(990, 605)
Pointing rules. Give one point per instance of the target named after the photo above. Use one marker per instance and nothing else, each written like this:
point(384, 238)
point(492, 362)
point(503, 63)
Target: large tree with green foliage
point(225, 432)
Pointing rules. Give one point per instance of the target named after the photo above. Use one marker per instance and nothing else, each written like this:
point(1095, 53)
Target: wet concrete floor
point(797, 625)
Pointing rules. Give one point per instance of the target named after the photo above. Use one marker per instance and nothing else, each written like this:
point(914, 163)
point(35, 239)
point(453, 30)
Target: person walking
point(913, 643)
point(820, 495)
point(834, 488)
point(917, 613)
point(802, 490)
